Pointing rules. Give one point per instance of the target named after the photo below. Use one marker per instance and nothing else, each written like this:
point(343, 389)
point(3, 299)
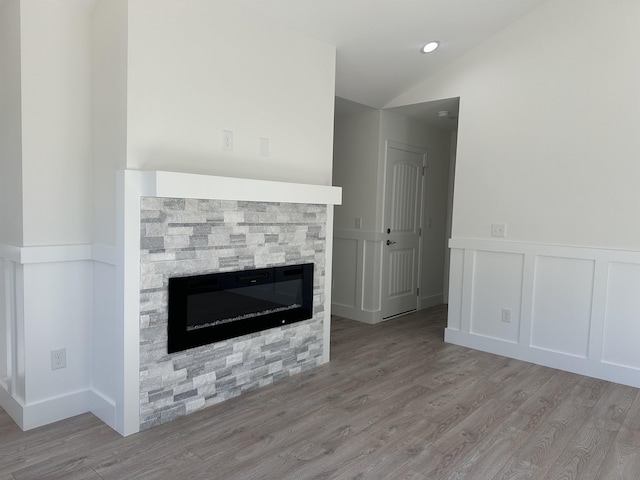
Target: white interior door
point(402, 226)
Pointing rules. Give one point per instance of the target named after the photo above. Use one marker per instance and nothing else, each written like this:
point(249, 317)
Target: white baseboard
point(55, 409)
point(582, 366)
point(355, 314)
point(10, 405)
point(431, 301)
point(373, 318)
point(103, 408)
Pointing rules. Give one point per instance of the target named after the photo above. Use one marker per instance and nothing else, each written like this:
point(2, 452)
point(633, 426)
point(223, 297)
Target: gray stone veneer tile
point(187, 237)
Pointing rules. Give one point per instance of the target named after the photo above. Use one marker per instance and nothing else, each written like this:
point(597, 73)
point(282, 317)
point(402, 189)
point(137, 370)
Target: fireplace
point(183, 225)
point(213, 307)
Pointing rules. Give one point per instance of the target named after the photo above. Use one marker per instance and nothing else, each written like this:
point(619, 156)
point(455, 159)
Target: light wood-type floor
point(394, 403)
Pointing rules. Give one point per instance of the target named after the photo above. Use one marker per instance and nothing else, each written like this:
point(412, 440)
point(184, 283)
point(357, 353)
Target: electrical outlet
point(498, 230)
point(264, 147)
point(506, 315)
point(227, 140)
point(58, 358)
point(358, 223)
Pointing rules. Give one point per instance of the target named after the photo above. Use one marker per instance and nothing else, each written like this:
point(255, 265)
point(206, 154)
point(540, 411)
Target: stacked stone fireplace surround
point(181, 237)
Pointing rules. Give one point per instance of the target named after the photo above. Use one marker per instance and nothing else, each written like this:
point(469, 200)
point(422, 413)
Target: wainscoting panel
point(563, 291)
point(572, 308)
point(456, 270)
point(9, 323)
point(46, 305)
point(497, 285)
point(620, 344)
point(345, 273)
point(358, 254)
point(372, 277)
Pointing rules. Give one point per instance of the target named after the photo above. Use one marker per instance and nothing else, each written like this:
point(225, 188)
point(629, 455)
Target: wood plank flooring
point(395, 402)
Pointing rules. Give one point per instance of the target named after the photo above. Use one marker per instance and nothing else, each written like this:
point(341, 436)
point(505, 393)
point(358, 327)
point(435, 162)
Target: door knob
point(389, 242)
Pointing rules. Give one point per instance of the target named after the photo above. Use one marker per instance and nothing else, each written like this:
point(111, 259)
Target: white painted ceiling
point(378, 41)
point(428, 112)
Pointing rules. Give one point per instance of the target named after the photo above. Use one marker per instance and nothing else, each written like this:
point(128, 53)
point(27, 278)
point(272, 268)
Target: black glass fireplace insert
point(209, 308)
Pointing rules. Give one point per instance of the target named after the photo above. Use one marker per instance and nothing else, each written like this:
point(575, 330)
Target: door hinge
point(424, 171)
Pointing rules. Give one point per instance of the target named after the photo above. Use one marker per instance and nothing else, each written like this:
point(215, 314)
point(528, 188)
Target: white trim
point(55, 253)
point(52, 410)
point(352, 313)
point(186, 185)
point(598, 309)
point(328, 275)
point(431, 301)
point(102, 407)
point(10, 252)
point(588, 253)
point(12, 406)
point(37, 254)
point(131, 186)
point(104, 254)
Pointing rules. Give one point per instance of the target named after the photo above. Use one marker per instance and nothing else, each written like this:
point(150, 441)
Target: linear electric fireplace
point(209, 308)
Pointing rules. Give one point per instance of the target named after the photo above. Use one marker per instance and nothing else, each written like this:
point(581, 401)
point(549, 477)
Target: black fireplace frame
point(181, 338)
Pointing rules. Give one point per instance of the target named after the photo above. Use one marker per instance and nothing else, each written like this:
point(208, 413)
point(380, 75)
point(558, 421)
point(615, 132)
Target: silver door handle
point(389, 242)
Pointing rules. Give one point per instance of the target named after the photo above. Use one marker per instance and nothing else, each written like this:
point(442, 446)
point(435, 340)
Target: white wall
point(548, 145)
point(10, 124)
point(56, 122)
point(355, 158)
point(109, 132)
point(109, 119)
point(198, 67)
point(548, 127)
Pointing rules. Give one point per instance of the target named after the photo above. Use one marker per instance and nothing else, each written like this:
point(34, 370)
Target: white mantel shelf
point(188, 185)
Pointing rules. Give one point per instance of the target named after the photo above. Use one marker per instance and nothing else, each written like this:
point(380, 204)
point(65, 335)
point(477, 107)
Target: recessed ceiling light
point(430, 47)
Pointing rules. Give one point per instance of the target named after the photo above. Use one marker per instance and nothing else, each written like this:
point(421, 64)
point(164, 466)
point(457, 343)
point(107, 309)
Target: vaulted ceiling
point(378, 42)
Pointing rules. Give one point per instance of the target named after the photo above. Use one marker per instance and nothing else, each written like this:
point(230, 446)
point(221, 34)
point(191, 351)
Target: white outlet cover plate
point(498, 230)
point(58, 358)
point(227, 140)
